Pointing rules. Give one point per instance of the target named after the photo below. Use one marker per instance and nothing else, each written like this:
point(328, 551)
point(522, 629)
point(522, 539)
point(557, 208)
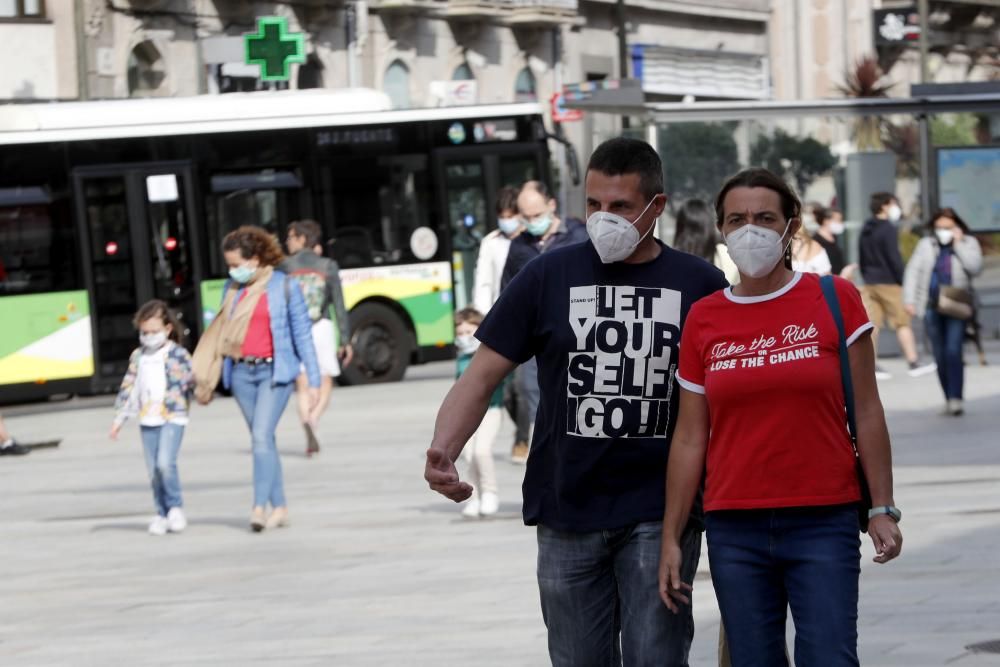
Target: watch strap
point(894, 512)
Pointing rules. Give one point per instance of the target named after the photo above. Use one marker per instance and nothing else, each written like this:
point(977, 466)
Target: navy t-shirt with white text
point(607, 338)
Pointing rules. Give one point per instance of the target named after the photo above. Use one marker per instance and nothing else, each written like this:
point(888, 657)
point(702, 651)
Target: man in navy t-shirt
point(603, 319)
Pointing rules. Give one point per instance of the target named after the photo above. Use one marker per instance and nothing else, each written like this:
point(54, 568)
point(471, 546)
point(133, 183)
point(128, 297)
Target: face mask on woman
point(756, 250)
point(613, 236)
point(241, 274)
point(944, 236)
point(466, 344)
point(539, 225)
point(508, 225)
point(153, 341)
point(836, 228)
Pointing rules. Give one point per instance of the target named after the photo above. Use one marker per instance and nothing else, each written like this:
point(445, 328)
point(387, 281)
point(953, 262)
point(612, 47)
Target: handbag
point(865, 504)
point(957, 302)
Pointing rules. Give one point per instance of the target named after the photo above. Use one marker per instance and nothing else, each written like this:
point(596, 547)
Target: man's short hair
point(309, 229)
point(470, 315)
point(879, 200)
point(623, 155)
point(539, 187)
point(507, 199)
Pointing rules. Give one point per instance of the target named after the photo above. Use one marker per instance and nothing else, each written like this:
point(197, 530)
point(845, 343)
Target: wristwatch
point(886, 509)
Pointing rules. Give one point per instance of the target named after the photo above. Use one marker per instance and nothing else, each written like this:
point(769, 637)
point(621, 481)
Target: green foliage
point(957, 129)
point(697, 159)
point(806, 159)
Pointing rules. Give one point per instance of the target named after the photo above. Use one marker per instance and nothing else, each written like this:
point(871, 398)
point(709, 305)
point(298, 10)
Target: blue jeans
point(764, 561)
point(947, 335)
point(262, 404)
point(161, 445)
point(600, 597)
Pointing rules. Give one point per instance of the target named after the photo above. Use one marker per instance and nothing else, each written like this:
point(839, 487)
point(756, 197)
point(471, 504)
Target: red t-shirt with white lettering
point(769, 368)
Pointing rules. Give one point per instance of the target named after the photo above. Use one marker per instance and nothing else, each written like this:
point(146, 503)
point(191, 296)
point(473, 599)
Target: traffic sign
point(560, 114)
point(273, 48)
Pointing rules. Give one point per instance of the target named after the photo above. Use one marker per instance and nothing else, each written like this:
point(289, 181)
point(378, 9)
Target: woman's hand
point(672, 589)
point(959, 234)
point(886, 537)
point(847, 273)
point(910, 309)
point(313, 398)
point(116, 428)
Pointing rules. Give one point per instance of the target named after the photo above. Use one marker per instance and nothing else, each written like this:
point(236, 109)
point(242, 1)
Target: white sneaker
point(471, 508)
point(489, 504)
point(882, 374)
point(158, 526)
point(176, 521)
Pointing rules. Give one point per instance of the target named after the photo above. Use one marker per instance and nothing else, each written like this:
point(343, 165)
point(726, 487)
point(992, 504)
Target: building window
point(145, 70)
point(22, 9)
point(463, 73)
point(397, 85)
point(524, 87)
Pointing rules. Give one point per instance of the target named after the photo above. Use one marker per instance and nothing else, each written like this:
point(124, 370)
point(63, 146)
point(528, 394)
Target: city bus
point(104, 205)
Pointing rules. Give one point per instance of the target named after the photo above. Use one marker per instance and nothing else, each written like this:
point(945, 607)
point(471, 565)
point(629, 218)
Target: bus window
point(376, 207)
point(38, 245)
point(268, 199)
point(514, 171)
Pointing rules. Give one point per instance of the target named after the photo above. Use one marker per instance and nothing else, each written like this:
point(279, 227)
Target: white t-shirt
point(818, 263)
point(151, 384)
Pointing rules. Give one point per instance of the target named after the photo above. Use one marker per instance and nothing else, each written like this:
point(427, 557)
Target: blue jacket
point(291, 333)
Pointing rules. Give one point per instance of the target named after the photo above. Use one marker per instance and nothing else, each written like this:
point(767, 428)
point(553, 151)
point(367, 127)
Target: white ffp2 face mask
point(613, 236)
point(756, 250)
point(466, 344)
point(895, 213)
point(944, 236)
point(153, 341)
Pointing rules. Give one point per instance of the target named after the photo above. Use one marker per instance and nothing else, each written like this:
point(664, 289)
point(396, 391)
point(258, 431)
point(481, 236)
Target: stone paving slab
point(376, 570)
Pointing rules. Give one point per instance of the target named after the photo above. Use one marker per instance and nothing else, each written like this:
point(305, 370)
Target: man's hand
point(672, 589)
point(116, 428)
point(442, 477)
point(346, 354)
point(886, 537)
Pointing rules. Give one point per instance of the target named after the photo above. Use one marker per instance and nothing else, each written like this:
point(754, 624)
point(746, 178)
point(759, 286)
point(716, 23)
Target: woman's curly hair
point(254, 241)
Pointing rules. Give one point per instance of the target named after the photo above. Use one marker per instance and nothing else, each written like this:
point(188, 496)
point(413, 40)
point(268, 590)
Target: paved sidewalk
point(376, 570)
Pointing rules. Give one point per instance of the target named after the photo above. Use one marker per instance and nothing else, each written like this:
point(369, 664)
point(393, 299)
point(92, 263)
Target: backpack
point(313, 286)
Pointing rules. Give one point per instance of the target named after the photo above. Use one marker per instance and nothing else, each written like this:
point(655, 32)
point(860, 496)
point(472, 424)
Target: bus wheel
point(382, 345)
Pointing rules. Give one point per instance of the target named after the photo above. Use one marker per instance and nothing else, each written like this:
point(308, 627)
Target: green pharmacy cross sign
point(274, 48)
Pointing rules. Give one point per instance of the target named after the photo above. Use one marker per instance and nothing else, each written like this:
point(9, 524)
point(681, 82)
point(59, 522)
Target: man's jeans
point(764, 561)
point(262, 404)
point(597, 585)
point(161, 445)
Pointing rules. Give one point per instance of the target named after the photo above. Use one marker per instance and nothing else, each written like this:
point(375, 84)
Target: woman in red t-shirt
point(762, 416)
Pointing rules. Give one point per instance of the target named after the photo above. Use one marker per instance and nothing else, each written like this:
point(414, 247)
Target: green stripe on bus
point(31, 317)
point(432, 317)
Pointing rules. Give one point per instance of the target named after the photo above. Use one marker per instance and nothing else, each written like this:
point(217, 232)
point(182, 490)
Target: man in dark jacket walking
point(882, 270)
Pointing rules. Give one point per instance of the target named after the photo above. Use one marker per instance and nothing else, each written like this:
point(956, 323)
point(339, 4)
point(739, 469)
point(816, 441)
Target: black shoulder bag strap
point(830, 292)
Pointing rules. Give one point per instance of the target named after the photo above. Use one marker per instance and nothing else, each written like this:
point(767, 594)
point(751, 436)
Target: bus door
point(136, 228)
point(468, 180)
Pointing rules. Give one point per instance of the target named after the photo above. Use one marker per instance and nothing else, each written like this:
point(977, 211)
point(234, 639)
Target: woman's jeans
point(262, 404)
point(601, 602)
point(161, 445)
point(764, 561)
point(947, 335)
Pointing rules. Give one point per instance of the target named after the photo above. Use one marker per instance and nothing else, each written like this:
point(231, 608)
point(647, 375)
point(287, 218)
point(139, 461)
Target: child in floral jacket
point(156, 389)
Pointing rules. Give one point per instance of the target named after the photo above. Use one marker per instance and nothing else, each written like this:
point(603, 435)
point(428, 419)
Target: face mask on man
point(615, 237)
point(153, 341)
point(466, 344)
point(894, 212)
point(756, 250)
point(241, 274)
point(836, 228)
point(508, 225)
point(538, 226)
point(944, 236)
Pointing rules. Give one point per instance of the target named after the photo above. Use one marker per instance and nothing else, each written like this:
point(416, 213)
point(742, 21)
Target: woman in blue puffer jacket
point(257, 342)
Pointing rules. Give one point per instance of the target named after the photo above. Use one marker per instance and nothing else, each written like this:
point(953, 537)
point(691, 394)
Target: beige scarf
point(224, 336)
